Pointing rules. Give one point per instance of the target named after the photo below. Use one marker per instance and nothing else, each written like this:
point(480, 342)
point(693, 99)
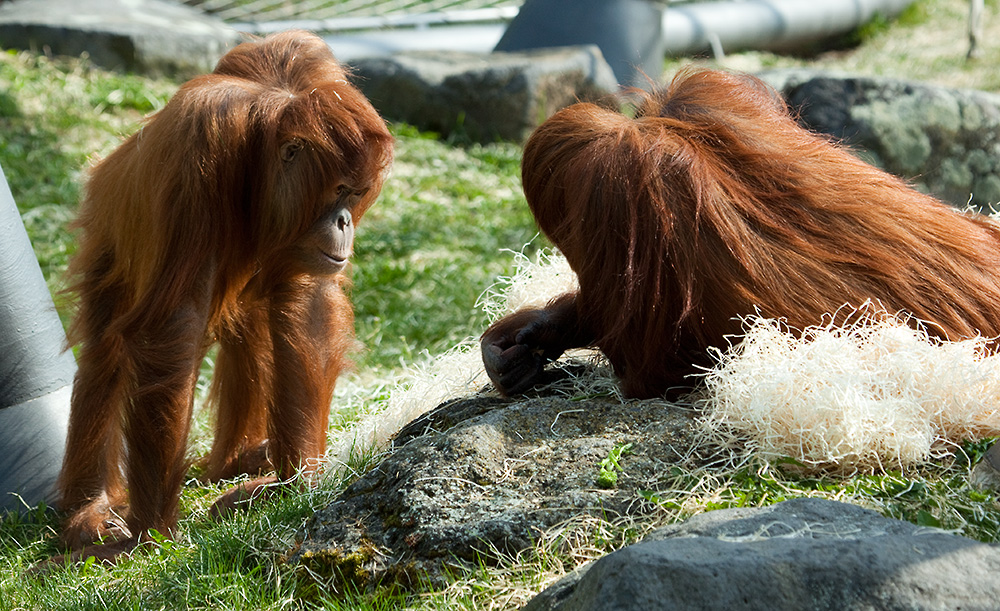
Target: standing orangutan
point(711, 204)
point(229, 217)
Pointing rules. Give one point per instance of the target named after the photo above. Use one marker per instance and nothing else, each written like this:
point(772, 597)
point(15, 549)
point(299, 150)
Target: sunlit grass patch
point(445, 229)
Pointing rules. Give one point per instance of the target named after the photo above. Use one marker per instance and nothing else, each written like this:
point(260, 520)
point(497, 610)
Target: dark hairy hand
point(517, 347)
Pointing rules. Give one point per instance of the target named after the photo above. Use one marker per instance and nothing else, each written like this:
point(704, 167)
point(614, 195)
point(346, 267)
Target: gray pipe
point(687, 28)
point(628, 32)
point(36, 372)
point(634, 35)
point(766, 24)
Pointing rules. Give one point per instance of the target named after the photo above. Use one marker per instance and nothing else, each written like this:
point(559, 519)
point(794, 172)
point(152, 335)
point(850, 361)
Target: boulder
point(149, 36)
point(945, 141)
point(480, 477)
point(483, 96)
point(800, 554)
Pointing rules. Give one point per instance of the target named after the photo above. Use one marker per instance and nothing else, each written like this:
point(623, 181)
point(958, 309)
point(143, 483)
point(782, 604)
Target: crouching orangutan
point(227, 218)
point(711, 204)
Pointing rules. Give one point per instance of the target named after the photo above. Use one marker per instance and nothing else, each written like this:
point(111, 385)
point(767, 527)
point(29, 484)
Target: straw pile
point(874, 395)
point(458, 372)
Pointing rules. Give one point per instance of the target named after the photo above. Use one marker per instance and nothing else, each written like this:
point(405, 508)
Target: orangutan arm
point(517, 347)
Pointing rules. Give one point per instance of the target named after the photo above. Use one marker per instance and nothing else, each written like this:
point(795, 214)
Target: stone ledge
point(149, 36)
point(486, 96)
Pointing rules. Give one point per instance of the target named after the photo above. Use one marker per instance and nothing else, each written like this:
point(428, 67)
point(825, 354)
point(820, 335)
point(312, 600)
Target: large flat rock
point(800, 554)
point(485, 96)
point(481, 477)
point(149, 36)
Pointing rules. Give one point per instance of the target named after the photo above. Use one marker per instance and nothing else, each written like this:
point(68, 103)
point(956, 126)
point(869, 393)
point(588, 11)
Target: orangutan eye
point(290, 149)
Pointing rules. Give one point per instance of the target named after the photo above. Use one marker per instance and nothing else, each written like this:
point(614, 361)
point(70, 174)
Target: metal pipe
point(766, 24)
point(381, 22)
point(688, 28)
point(36, 371)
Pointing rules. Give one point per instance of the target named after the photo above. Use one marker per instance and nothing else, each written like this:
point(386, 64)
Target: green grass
point(928, 42)
point(424, 253)
point(61, 114)
point(432, 244)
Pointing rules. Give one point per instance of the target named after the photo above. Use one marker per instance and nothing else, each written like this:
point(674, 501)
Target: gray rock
point(149, 36)
point(485, 96)
point(945, 141)
point(986, 473)
point(800, 554)
point(482, 475)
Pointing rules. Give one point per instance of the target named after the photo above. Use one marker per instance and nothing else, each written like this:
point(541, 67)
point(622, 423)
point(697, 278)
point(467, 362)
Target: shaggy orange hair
point(710, 204)
point(229, 218)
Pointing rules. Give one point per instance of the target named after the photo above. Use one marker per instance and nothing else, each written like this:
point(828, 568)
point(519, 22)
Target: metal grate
point(284, 10)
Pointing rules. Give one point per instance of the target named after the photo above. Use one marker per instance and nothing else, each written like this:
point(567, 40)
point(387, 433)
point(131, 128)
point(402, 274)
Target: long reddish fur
point(711, 203)
point(193, 232)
